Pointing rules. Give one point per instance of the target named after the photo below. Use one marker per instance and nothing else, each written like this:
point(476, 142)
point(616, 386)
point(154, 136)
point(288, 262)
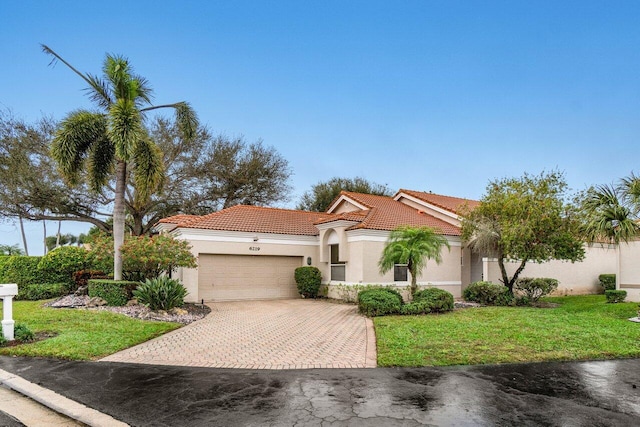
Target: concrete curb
point(58, 403)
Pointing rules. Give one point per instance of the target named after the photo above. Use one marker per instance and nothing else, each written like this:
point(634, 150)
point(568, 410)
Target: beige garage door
point(235, 277)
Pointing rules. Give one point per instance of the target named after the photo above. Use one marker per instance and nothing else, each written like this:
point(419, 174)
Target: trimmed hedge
point(439, 300)
point(308, 280)
point(536, 287)
point(4, 259)
point(22, 270)
point(607, 281)
point(114, 292)
point(39, 291)
point(613, 296)
point(60, 263)
point(379, 302)
point(487, 293)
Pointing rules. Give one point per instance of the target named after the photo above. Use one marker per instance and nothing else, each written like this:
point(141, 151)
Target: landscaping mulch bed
point(186, 314)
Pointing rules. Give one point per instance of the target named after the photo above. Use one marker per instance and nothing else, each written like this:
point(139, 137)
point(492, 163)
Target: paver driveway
point(277, 334)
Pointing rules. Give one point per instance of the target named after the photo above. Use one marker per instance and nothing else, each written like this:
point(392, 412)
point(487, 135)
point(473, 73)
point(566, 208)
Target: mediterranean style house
point(249, 252)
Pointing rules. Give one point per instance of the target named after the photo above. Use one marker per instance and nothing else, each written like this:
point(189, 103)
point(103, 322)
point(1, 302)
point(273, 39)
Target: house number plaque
point(254, 248)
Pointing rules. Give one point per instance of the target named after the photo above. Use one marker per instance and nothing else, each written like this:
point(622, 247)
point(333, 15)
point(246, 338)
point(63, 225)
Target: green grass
point(81, 334)
point(582, 327)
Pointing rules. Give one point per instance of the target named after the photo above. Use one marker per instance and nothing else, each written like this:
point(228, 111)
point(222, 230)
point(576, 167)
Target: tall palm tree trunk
point(118, 218)
point(24, 236)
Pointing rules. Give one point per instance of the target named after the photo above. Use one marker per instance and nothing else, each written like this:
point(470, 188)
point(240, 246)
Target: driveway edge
point(58, 403)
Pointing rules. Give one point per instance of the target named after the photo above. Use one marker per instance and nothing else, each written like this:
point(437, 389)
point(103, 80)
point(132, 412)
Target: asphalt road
point(603, 393)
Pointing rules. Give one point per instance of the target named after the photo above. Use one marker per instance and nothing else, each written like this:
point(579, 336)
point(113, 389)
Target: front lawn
point(80, 334)
point(582, 327)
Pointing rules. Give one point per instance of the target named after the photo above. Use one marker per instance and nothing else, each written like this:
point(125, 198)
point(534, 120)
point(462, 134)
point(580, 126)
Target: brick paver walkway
point(278, 334)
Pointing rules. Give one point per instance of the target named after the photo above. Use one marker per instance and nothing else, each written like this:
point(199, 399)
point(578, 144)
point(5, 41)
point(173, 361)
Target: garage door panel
point(234, 277)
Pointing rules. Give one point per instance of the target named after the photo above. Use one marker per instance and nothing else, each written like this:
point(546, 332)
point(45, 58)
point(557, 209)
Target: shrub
point(607, 281)
point(81, 278)
point(60, 263)
point(614, 296)
point(308, 280)
point(439, 300)
point(379, 302)
point(22, 270)
point(21, 332)
point(143, 257)
point(39, 291)
point(114, 292)
point(4, 259)
point(162, 293)
point(536, 287)
point(487, 293)
point(416, 307)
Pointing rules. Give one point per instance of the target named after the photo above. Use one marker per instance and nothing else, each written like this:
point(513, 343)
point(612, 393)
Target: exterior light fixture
point(308, 260)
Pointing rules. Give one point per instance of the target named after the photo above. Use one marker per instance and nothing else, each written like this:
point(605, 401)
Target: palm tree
point(611, 212)
point(114, 139)
point(412, 246)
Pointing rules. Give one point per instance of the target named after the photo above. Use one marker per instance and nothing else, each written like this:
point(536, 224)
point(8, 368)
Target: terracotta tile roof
point(257, 219)
point(452, 204)
point(177, 219)
point(346, 216)
point(384, 213)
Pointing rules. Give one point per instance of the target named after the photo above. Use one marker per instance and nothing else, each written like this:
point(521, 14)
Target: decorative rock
point(96, 302)
point(131, 302)
point(178, 311)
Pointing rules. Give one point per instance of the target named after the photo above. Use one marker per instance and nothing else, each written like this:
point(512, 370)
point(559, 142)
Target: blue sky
point(427, 95)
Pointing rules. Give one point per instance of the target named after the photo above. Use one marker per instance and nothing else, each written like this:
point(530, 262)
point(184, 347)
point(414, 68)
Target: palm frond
point(630, 188)
point(77, 133)
point(95, 85)
point(101, 163)
point(100, 92)
point(144, 92)
point(148, 168)
point(186, 118)
point(125, 128)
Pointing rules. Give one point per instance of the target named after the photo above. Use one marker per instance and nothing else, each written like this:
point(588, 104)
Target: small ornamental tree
point(524, 220)
point(412, 246)
point(145, 257)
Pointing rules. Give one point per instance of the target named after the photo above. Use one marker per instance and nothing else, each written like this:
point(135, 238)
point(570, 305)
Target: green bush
point(4, 259)
point(21, 332)
point(143, 257)
point(60, 263)
point(22, 270)
point(487, 293)
point(308, 280)
point(379, 302)
point(607, 281)
point(438, 300)
point(536, 287)
point(162, 293)
point(613, 296)
point(81, 278)
point(39, 291)
point(416, 307)
point(114, 292)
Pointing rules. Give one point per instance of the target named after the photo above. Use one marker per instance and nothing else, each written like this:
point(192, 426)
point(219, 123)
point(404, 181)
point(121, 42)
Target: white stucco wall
point(575, 278)
point(237, 243)
point(628, 270)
